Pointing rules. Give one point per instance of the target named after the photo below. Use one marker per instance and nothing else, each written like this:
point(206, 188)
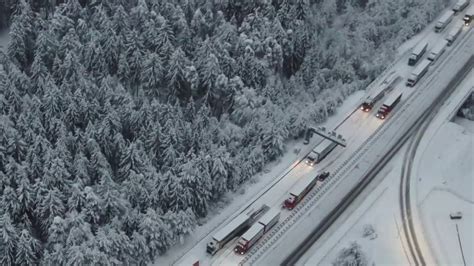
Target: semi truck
point(469, 16)
point(384, 88)
point(438, 50)
point(460, 5)
point(418, 73)
point(444, 20)
point(320, 152)
point(388, 105)
point(262, 226)
point(300, 190)
point(417, 53)
point(453, 34)
point(238, 225)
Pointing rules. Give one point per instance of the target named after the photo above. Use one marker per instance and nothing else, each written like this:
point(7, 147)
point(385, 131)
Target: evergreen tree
point(8, 240)
point(152, 74)
point(22, 37)
point(177, 84)
point(156, 233)
point(50, 205)
point(27, 249)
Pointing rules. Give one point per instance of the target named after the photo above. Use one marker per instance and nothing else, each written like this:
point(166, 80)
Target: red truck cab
point(290, 202)
point(241, 247)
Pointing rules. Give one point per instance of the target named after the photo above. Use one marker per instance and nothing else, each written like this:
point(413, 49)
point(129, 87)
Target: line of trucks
point(253, 225)
point(422, 68)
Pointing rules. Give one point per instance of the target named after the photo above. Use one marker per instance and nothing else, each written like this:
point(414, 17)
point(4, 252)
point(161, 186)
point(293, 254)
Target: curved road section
point(404, 197)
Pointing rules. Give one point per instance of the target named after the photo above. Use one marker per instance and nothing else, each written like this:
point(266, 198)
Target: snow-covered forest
point(122, 121)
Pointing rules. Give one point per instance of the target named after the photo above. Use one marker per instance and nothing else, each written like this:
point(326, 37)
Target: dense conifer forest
point(122, 122)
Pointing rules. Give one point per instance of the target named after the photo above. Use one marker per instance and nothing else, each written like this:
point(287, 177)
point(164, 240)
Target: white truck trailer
point(264, 224)
point(460, 5)
point(320, 151)
point(438, 50)
point(454, 33)
point(444, 20)
point(469, 16)
point(418, 73)
point(389, 104)
point(298, 191)
point(233, 228)
point(385, 87)
point(228, 232)
point(417, 53)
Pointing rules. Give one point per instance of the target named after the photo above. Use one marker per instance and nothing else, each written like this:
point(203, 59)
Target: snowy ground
point(445, 171)
point(379, 209)
point(444, 184)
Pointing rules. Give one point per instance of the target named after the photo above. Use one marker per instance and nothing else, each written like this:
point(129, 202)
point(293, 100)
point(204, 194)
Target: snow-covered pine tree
point(27, 249)
point(8, 240)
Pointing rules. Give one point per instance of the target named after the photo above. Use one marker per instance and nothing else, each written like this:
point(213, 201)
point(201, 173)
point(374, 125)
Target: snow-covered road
point(426, 91)
point(356, 130)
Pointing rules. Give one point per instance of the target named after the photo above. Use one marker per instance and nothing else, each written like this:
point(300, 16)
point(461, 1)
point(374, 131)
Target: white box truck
point(444, 20)
point(264, 224)
point(418, 73)
point(438, 50)
point(388, 105)
point(384, 88)
point(417, 53)
point(320, 151)
point(234, 228)
point(460, 5)
point(454, 33)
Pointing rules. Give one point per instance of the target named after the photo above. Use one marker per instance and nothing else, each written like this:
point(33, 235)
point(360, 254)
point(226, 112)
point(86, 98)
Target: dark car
point(323, 176)
point(455, 215)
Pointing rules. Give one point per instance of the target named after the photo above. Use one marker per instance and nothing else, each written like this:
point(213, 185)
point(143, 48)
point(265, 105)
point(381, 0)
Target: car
point(323, 176)
point(455, 215)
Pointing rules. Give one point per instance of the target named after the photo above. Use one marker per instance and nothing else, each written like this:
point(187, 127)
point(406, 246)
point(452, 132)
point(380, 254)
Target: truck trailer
point(389, 104)
point(453, 34)
point(418, 73)
point(386, 86)
point(438, 50)
point(238, 225)
point(460, 5)
point(417, 53)
point(469, 16)
point(264, 224)
point(229, 231)
point(320, 151)
point(444, 20)
point(298, 192)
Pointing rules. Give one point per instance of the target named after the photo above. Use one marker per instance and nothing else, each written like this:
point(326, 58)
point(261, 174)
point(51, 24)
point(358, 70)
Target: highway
point(364, 132)
point(419, 127)
point(410, 110)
